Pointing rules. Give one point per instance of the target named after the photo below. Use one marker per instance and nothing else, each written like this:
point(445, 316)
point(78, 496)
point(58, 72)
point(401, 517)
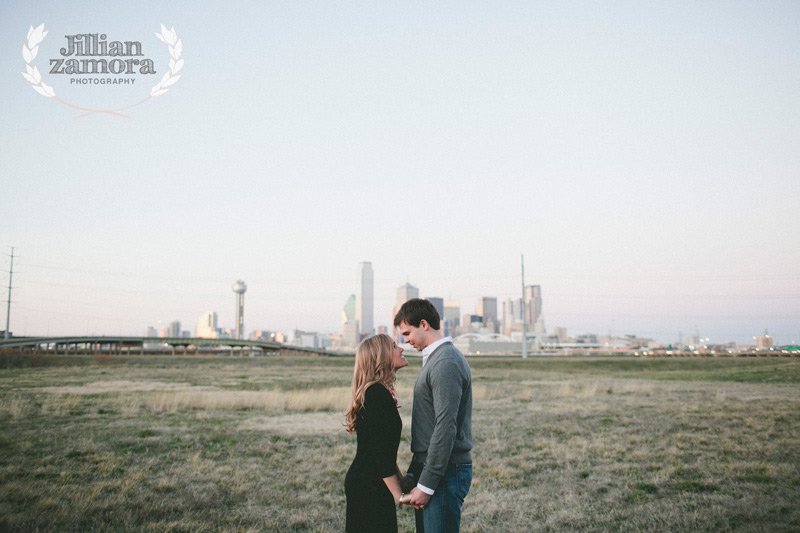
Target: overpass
point(132, 345)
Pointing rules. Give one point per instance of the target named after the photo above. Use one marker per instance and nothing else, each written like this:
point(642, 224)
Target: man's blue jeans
point(443, 512)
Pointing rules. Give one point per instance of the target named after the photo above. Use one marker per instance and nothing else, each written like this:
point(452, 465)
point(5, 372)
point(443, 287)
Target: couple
point(441, 429)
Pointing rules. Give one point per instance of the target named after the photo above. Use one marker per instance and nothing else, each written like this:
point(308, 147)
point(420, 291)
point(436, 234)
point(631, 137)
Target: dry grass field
point(256, 444)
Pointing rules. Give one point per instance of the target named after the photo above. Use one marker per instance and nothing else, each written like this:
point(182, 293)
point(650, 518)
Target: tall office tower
point(364, 300)
point(508, 316)
point(438, 303)
point(452, 312)
point(350, 332)
point(207, 326)
point(174, 329)
point(487, 307)
point(239, 288)
point(512, 315)
point(349, 310)
point(538, 326)
point(471, 323)
point(405, 293)
point(533, 304)
point(349, 322)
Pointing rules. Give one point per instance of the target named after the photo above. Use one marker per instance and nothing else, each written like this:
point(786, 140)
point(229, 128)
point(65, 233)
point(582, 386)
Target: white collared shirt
point(428, 350)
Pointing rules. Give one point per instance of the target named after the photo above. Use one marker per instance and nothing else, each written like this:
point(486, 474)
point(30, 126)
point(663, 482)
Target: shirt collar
point(429, 349)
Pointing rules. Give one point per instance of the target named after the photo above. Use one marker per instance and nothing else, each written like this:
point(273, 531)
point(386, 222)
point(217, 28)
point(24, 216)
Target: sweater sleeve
point(380, 408)
point(446, 389)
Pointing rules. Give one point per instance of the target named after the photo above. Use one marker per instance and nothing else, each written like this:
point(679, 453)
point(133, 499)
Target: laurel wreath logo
point(29, 54)
point(31, 49)
point(169, 37)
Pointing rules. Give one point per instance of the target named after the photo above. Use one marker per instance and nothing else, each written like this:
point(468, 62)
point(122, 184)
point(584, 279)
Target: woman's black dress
point(370, 505)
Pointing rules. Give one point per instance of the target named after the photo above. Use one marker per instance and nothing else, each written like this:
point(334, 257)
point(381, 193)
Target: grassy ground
point(256, 444)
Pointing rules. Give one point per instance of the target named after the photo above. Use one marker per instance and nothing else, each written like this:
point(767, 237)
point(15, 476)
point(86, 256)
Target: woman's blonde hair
point(374, 364)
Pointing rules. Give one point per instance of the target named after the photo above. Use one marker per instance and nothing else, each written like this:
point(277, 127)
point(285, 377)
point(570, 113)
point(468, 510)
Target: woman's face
point(397, 357)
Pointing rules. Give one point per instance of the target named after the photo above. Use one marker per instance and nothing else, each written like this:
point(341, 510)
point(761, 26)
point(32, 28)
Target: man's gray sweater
point(441, 421)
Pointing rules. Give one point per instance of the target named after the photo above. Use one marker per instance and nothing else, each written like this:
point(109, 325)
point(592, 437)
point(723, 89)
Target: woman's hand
point(407, 482)
point(393, 484)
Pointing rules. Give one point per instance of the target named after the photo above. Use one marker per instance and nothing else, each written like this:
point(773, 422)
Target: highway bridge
point(144, 345)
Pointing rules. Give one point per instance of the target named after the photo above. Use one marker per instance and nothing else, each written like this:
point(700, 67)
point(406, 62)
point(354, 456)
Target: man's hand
point(419, 499)
point(407, 483)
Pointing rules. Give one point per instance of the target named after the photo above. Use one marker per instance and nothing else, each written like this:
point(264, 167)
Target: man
point(441, 421)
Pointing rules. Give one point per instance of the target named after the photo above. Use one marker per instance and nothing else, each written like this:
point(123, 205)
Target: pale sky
point(641, 155)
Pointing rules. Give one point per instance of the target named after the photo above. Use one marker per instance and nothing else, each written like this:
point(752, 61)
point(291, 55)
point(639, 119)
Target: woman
point(372, 484)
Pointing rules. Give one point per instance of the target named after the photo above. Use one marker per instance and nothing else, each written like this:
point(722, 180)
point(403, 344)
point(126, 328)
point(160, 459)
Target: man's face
point(415, 336)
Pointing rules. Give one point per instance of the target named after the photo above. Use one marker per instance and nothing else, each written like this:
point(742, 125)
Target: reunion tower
point(239, 288)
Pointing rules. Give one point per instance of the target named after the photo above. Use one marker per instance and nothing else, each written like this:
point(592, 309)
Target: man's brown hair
point(414, 311)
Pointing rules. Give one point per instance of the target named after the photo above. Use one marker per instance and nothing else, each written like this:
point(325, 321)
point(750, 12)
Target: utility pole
point(524, 311)
point(8, 306)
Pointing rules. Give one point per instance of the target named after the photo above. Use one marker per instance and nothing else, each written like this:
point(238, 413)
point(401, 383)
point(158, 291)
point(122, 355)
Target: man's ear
point(424, 325)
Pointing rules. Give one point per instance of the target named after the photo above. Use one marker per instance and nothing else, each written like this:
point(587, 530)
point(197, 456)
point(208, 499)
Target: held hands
point(410, 494)
point(418, 499)
point(407, 483)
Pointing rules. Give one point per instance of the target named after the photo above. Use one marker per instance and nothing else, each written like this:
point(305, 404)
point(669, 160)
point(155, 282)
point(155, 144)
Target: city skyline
point(209, 325)
point(466, 307)
point(641, 156)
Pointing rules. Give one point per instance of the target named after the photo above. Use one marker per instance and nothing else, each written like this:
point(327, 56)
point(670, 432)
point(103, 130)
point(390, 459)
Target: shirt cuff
point(425, 489)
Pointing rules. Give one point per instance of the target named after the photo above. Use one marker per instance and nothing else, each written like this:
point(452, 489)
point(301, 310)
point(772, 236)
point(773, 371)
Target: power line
point(93, 317)
point(676, 316)
point(8, 306)
point(470, 277)
point(113, 289)
point(677, 296)
point(524, 310)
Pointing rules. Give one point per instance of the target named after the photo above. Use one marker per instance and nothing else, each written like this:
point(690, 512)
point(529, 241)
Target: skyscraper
point(350, 333)
point(349, 322)
point(349, 310)
point(405, 293)
point(438, 303)
point(364, 299)
point(487, 307)
point(452, 312)
point(239, 288)
point(207, 326)
point(511, 314)
point(533, 304)
point(174, 329)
